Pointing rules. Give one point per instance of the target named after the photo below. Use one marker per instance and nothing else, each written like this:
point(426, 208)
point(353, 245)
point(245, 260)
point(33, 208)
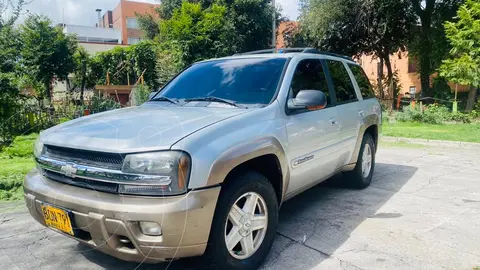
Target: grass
point(401, 145)
point(16, 160)
point(448, 132)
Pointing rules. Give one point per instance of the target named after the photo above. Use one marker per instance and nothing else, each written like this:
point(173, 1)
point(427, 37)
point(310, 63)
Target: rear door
point(368, 104)
point(348, 109)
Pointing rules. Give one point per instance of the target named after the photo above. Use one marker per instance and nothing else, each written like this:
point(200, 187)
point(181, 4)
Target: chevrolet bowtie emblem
point(69, 170)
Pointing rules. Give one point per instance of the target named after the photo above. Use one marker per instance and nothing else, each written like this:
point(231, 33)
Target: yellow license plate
point(57, 218)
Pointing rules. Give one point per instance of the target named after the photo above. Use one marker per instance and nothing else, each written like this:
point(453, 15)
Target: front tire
point(245, 223)
point(362, 175)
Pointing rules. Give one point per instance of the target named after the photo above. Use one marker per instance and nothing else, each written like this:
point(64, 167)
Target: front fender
point(244, 152)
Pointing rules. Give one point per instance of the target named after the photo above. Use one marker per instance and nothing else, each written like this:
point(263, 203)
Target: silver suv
point(204, 166)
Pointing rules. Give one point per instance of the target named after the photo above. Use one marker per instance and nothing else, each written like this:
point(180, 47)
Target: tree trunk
point(82, 89)
point(472, 96)
point(48, 90)
point(380, 78)
point(425, 74)
point(84, 81)
point(390, 90)
point(426, 49)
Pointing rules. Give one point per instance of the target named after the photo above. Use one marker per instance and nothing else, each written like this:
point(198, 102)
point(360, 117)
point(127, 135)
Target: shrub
point(385, 117)
point(102, 103)
point(460, 117)
point(140, 94)
point(432, 114)
point(409, 114)
point(474, 114)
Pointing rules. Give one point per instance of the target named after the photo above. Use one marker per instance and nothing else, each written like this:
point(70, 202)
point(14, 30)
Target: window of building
point(82, 39)
point(132, 23)
point(412, 65)
point(341, 82)
point(309, 75)
point(363, 82)
point(134, 40)
point(412, 90)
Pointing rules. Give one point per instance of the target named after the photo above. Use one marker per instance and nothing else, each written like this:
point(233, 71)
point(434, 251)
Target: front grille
point(81, 182)
point(98, 159)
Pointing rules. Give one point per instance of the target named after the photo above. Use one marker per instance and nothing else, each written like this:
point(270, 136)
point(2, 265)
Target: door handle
point(333, 121)
point(361, 113)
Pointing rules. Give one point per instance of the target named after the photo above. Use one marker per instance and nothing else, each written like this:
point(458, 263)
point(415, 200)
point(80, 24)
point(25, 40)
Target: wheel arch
point(371, 127)
point(265, 155)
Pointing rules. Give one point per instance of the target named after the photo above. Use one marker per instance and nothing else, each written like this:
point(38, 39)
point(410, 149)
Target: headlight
point(38, 148)
point(172, 169)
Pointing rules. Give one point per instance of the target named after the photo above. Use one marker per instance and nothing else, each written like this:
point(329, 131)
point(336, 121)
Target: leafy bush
point(102, 103)
point(409, 114)
point(432, 114)
point(385, 117)
point(460, 117)
point(140, 94)
point(474, 114)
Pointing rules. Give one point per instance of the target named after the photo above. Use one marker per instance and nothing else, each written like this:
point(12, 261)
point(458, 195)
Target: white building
point(94, 40)
point(91, 34)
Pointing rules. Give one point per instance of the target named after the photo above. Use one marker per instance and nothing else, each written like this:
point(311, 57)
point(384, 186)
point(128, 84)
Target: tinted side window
point(363, 82)
point(341, 82)
point(309, 75)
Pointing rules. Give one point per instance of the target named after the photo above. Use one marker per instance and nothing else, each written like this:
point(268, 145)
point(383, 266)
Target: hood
point(151, 126)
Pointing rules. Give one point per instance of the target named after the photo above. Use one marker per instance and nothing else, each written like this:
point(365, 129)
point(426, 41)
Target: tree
point(248, 23)
point(199, 33)
point(83, 75)
point(16, 8)
point(251, 21)
point(148, 23)
point(376, 27)
point(169, 62)
point(463, 66)
point(429, 45)
point(143, 58)
point(167, 8)
point(9, 45)
point(47, 53)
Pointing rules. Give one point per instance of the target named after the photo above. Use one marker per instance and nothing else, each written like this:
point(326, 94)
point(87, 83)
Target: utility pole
point(274, 26)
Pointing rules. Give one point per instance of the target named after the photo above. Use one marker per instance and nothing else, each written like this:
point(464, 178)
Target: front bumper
point(108, 222)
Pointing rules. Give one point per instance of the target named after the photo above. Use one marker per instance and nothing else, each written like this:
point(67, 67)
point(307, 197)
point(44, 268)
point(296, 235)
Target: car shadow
point(323, 216)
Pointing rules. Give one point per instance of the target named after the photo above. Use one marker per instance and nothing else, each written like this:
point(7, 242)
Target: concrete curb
point(432, 142)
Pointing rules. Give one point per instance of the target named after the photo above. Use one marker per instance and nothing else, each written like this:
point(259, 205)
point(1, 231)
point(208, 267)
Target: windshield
point(243, 81)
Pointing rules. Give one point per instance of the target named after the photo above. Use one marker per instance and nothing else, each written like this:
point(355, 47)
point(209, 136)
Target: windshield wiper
point(165, 99)
point(215, 99)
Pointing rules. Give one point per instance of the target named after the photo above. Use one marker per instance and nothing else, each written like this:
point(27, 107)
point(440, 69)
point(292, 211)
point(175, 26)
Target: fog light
point(150, 228)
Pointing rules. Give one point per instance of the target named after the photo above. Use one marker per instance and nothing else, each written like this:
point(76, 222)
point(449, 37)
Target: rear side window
point(309, 75)
point(363, 82)
point(341, 82)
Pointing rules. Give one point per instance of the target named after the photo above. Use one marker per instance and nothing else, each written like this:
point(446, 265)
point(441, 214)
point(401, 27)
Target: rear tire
point(362, 175)
point(244, 190)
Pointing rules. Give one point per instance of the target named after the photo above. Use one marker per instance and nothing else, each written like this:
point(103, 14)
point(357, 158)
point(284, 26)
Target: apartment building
point(123, 17)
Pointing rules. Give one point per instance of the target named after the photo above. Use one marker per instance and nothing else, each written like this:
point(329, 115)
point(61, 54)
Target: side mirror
point(151, 95)
point(308, 100)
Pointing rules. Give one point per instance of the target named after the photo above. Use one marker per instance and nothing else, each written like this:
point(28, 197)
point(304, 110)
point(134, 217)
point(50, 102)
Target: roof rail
point(293, 50)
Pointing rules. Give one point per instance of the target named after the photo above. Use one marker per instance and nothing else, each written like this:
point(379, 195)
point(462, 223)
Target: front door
point(312, 135)
point(348, 109)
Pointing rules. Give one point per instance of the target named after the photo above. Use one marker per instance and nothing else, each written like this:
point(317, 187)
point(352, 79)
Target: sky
point(82, 12)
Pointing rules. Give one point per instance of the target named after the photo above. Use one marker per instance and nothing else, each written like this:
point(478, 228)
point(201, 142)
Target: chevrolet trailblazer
point(203, 167)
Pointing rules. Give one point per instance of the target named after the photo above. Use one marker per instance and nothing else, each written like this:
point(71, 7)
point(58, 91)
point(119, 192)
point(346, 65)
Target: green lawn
point(448, 132)
point(15, 161)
